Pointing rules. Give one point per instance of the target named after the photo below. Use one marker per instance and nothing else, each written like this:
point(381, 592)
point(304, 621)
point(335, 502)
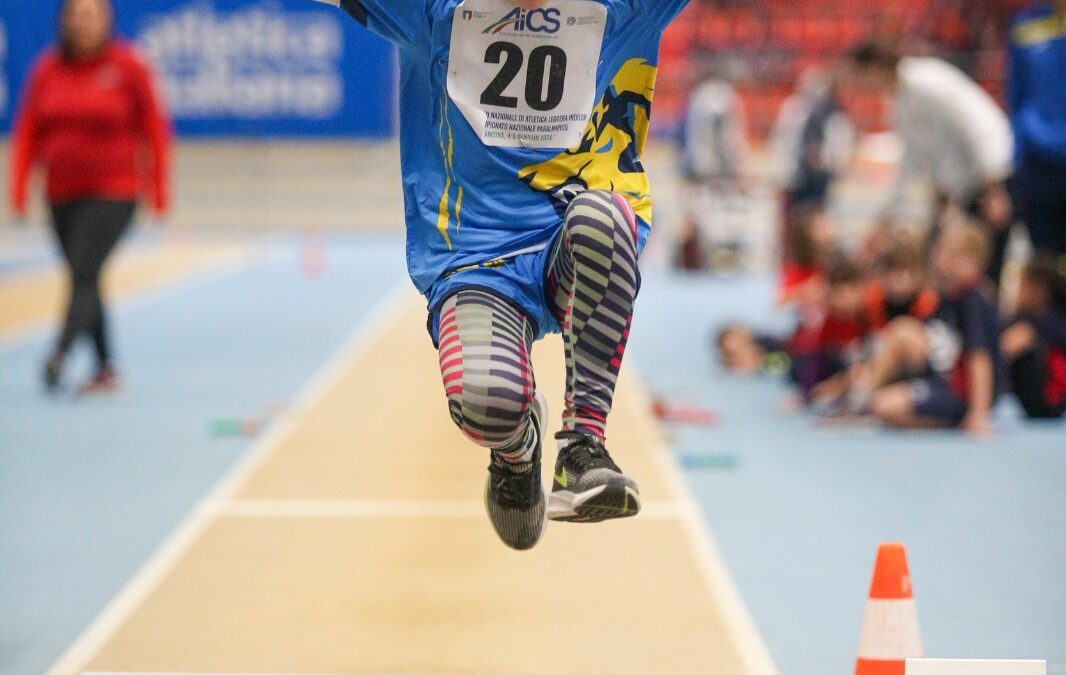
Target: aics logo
point(544, 20)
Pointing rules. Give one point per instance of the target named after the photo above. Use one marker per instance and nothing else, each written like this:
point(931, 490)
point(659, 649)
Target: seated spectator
point(811, 243)
point(944, 373)
point(742, 351)
point(827, 341)
point(1035, 343)
point(901, 289)
point(826, 348)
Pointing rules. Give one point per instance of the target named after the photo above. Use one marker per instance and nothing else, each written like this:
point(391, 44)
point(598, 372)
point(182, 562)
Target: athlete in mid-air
point(522, 123)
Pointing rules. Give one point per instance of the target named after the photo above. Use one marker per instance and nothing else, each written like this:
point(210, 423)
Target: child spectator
point(821, 347)
point(846, 324)
point(944, 373)
point(1035, 344)
point(811, 243)
point(742, 351)
point(832, 346)
point(902, 288)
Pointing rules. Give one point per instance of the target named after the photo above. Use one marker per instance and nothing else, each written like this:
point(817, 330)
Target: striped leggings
point(485, 342)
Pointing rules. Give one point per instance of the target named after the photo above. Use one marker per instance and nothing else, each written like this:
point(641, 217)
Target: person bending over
point(954, 135)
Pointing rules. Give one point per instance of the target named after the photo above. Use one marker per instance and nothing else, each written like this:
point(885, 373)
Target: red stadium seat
point(778, 39)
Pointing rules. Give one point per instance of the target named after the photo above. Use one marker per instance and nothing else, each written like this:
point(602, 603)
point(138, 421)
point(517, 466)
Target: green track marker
point(710, 462)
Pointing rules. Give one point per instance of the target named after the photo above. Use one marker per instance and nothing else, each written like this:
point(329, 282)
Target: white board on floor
point(974, 667)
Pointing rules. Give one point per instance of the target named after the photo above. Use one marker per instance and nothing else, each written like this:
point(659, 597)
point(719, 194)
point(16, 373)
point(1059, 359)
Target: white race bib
point(526, 78)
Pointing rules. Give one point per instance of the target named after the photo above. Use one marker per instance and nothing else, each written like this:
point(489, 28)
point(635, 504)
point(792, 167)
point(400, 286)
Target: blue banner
point(9, 51)
point(6, 95)
point(234, 67)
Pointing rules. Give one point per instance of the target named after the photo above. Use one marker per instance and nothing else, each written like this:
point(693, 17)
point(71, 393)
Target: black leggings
point(87, 230)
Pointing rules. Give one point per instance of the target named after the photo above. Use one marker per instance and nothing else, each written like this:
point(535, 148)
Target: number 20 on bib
point(526, 78)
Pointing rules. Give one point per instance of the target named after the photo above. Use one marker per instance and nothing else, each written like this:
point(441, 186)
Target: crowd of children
point(915, 340)
point(908, 329)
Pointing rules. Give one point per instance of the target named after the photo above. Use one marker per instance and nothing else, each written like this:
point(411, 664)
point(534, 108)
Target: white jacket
point(954, 134)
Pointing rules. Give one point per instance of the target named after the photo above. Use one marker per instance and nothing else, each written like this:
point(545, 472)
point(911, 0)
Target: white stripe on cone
point(890, 630)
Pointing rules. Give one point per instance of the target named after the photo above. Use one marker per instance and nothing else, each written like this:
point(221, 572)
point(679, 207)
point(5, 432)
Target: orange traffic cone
point(890, 627)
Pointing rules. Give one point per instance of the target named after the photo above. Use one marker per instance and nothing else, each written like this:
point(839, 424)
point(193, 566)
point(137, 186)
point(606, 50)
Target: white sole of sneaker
point(603, 502)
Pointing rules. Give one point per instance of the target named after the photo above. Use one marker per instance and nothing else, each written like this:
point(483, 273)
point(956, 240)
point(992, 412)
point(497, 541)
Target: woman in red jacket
point(90, 116)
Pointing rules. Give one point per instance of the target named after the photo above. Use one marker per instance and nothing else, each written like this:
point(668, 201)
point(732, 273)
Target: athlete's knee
point(489, 409)
point(600, 221)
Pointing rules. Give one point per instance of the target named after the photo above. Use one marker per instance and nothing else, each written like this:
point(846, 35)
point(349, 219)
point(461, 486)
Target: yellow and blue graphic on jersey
point(466, 202)
point(608, 156)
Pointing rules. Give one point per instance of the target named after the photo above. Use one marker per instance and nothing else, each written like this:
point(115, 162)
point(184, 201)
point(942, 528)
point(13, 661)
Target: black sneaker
point(589, 486)
point(514, 495)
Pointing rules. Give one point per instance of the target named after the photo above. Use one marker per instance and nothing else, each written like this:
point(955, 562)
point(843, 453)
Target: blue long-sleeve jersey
point(1036, 86)
point(480, 183)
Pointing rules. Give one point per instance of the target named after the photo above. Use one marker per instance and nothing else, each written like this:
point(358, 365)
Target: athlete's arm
point(404, 22)
point(661, 12)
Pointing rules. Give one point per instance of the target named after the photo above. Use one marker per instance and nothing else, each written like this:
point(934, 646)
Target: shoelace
point(515, 488)
point(586, 452)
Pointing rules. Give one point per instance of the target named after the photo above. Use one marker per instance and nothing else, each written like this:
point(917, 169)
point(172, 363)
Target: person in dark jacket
point(1036, 92)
